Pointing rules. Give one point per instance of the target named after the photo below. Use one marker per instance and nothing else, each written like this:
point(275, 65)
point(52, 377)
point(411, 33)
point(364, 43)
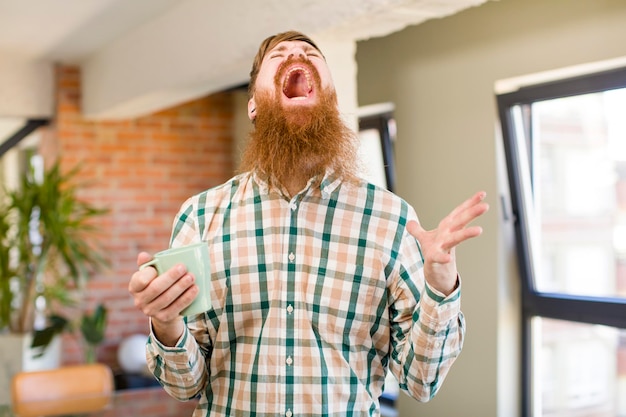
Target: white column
point(26, 87)
point(341, 58)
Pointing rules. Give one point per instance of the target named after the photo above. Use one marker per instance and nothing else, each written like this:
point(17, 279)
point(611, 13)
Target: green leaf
point(93, 327)
point(43, 337)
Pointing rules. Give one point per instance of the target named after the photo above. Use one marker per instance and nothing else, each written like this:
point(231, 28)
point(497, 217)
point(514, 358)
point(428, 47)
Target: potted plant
point(46, 251)
point(92, 327)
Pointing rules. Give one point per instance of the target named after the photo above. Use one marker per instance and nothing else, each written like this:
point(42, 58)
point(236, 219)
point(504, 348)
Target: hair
point(267, 45)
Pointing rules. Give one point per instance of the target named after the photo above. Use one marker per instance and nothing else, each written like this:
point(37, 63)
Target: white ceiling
point(72, 30)
point(131, 51)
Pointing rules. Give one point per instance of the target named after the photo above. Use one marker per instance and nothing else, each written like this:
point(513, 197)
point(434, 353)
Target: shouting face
point(298, 132)
point(294, 72)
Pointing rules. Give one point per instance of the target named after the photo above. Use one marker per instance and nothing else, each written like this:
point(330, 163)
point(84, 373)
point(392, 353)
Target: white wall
point(441, 77)
point(26, 87)
point(340, 56)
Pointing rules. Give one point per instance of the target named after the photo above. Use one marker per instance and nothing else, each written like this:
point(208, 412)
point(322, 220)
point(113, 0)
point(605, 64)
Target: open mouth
point(297, 83)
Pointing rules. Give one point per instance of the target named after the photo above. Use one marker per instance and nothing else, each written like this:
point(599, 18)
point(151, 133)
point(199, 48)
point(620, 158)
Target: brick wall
point(141, 170)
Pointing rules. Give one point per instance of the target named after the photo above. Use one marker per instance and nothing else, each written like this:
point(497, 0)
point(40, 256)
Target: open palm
point(438, 245)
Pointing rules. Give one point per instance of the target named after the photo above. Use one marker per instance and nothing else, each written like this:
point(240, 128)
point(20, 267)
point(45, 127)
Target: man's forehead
point(284, 45)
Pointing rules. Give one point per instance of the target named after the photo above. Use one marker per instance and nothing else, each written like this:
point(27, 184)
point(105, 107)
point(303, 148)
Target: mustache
point(281, 72)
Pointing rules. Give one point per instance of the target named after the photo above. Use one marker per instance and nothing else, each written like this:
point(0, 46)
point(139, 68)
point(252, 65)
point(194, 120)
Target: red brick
point(141, 170)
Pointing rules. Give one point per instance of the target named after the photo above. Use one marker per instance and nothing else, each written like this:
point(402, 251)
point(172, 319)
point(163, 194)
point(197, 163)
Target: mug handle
point(151, 263)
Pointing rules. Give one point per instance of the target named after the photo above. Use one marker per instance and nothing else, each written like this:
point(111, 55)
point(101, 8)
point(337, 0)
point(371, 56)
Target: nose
point(297, 52)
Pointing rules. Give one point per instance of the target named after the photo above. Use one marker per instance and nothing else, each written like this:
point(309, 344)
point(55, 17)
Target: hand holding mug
point(195, 258)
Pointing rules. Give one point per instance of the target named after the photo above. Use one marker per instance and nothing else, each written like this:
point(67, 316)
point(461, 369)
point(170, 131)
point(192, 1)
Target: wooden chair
point(65, 390)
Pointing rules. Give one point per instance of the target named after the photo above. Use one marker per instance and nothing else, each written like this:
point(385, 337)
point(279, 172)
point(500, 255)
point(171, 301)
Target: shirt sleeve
point(427, 328)
point(182, 369)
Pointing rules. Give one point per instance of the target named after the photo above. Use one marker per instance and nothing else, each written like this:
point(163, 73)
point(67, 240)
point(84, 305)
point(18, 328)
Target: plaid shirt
point(314, 299)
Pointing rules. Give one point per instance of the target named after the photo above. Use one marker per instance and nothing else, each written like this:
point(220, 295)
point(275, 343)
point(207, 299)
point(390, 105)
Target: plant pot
point(16, 355)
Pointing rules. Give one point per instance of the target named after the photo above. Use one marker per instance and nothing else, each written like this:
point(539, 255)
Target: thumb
point(414, 228)
point(143, 257)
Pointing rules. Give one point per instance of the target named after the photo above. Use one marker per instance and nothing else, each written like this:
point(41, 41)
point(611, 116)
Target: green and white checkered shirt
point(314, 299)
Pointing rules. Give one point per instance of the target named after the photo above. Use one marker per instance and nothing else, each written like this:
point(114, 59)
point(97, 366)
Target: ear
point(251, 109)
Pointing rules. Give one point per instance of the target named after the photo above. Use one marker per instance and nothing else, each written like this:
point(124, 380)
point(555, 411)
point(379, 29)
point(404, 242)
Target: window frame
point(610, 311)
point(29, 127)
point(381, 121)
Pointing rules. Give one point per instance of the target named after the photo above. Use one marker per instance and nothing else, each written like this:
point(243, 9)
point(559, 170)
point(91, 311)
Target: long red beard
point(294, 144)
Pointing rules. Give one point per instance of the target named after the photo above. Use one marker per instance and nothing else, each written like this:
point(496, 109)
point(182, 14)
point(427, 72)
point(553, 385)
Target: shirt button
point(289, 309)
point(289, 361)
point(288, 413)
point(293, 206)
point(292, 256)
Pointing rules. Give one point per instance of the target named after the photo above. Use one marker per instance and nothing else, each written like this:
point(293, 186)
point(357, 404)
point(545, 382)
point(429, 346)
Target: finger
point(470, 214)
point(169, 278)
point(146, 285)
point(173, 300)
point(470, 202)
point(462, 218)
point(143, 257)
point(414, 228)
point(175, 297)
point(141, 279)
point(161, 290)
point(458, 237)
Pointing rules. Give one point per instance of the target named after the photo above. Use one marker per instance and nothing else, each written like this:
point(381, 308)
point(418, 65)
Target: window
point(565, 146)
point(377, 132)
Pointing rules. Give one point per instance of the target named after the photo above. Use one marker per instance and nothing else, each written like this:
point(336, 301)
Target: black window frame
point(609, 311)
point(380, 122)
point(29, 127)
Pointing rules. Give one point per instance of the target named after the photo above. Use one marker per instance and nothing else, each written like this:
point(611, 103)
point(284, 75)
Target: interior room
point(149, 100)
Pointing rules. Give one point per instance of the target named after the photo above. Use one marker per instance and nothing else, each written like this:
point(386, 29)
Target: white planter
point(16, 355)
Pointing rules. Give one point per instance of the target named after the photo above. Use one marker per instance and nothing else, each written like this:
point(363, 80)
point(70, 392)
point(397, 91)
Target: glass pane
point(579, 186)
point(579, 369)
point(371, 153)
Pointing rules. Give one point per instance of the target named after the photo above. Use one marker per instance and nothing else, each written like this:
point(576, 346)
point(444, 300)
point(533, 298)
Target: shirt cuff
point(438, 308)
point(178, 351)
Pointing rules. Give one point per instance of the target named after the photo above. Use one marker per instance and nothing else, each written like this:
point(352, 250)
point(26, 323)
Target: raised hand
point(438, 245)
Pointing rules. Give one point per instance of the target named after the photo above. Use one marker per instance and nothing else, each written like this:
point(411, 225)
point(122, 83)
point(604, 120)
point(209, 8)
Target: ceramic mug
point(196, 258)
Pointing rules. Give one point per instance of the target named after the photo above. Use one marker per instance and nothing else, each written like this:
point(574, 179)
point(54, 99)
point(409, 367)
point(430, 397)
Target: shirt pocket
point(345, 299)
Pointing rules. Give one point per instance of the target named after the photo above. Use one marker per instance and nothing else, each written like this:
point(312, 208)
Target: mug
point(196, 258)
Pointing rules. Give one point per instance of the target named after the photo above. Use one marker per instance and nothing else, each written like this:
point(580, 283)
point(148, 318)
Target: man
point(318, 283)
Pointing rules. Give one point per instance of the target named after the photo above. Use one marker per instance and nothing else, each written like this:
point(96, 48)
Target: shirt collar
point(325, 188)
